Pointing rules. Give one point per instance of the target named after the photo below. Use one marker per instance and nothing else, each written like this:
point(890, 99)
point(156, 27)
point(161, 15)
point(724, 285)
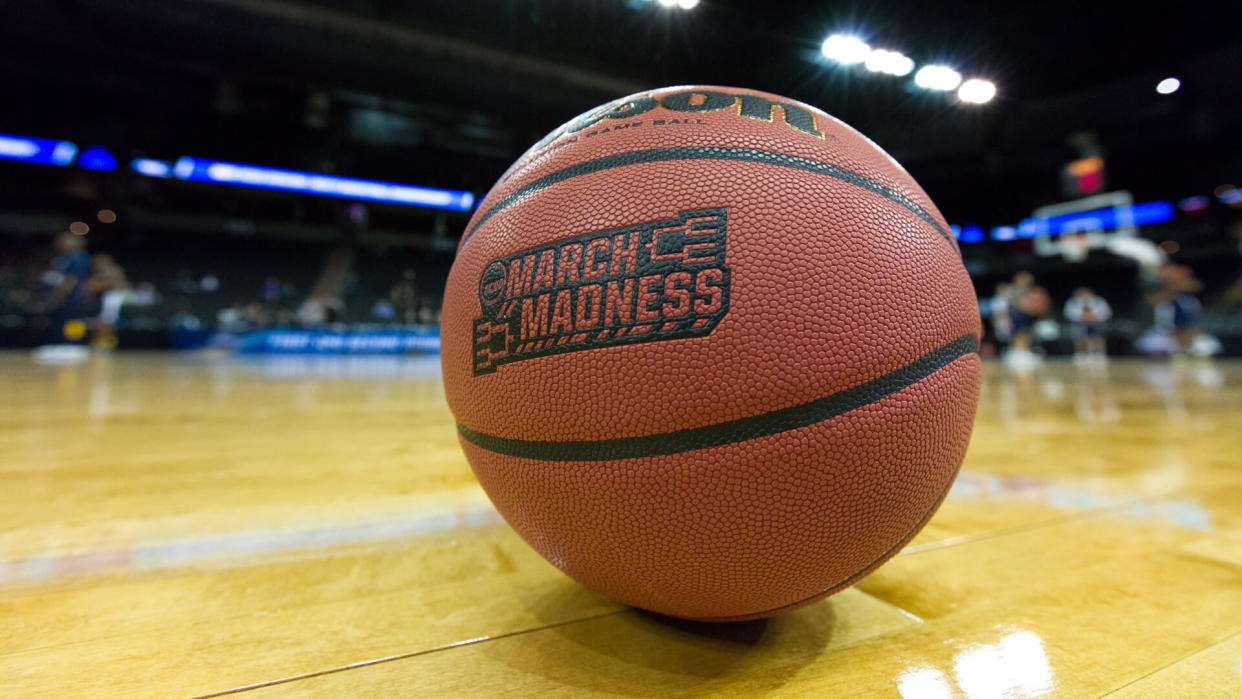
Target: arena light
point(97, 158)
point(687, 4)
point(972, 234)
point(1230, 197)
point(1004, 233)
point(976, 91)
point(150, 167)
point(937, 78)
point(1194, 205)
point(890, 62)
point(1168, 86)
point(1032, 227)
point(220, 172)
point(44, 151)
point(845, 49)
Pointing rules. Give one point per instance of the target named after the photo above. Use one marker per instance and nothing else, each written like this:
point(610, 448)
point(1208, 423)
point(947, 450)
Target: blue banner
point(387, 341)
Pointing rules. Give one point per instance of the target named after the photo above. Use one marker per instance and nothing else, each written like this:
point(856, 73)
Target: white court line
point(47, 567)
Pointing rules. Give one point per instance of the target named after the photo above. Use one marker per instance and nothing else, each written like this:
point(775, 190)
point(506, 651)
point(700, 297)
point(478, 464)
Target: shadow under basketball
point(636, 652)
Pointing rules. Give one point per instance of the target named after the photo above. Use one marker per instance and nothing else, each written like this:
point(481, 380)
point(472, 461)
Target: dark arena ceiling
point(448, 93)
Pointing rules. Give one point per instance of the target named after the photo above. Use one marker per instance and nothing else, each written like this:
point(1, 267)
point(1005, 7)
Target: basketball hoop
point(1070, 229)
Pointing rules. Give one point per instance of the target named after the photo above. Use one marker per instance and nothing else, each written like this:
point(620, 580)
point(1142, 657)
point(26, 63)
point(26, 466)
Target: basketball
point(73, 330)
point(711, 352)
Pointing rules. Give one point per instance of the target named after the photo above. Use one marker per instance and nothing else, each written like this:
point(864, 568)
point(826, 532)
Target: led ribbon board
point(220, 172)
point(45, 151)
point(1101, 219)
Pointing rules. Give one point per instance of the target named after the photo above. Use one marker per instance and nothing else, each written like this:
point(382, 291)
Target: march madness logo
point(652, 281)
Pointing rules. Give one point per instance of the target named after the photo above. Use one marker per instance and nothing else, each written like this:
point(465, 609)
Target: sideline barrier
point(387, 341)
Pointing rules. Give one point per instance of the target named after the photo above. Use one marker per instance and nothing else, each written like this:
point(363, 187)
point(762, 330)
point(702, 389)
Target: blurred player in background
point(65, 279)
point(1233, 295)
point(108, 284)
point(1177, 308)
point(1028, 302)
point(998, 314)
point(1087, 314)
point(404, 298)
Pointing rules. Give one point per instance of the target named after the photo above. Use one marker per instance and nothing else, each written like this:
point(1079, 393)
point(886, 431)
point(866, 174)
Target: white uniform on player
point(1087, 311)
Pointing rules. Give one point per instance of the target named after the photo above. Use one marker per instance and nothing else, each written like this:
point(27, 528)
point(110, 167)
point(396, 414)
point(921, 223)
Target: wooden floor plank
point(1214, 671)
point(1072, 635)
point(294, 617)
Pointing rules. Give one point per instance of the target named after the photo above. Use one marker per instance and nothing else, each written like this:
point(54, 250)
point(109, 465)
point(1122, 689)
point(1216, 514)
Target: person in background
point(1087, 314)
point(66, 300)
point(383, 310)
point(255, 316)
point(427, 314)
point(1028, 302)
point(144, 294)
point(184, 283)
point(320, 311)
point(270, 291)
point(998, 312)
point(108, 284)
point(1177, 308)
point(1233, 295)
point(404, 297)
point(209, 283)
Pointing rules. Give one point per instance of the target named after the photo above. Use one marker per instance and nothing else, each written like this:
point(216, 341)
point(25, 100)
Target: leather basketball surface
point(711, 351)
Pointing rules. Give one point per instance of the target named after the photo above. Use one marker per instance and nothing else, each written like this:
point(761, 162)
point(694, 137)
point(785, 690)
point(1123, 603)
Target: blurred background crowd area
point(152, 290)
point(155, 294)
point(172, 173)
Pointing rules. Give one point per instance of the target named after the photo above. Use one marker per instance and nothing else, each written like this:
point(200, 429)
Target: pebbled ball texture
point(785, 453)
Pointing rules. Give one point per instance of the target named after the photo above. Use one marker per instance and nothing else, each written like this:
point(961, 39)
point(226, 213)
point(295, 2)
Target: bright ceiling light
point(687, 4)
point(667, 3)
point(845, 49)
point(900, 65)
point(1168, 86)
point(891, 62)
point(876, 60)
point(976, 91)
point(937, 78)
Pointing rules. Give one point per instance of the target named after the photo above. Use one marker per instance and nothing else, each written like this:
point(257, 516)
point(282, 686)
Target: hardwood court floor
point(179, 526)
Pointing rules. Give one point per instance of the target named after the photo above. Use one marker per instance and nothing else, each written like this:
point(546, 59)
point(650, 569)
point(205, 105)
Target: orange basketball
point(711, 352)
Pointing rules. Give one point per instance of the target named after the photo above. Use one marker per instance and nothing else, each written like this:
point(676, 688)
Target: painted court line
point(42, 568)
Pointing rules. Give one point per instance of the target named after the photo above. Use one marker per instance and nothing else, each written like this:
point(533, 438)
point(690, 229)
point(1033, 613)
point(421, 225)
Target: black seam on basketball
point(658, 155)
point(861, 573)
point(739, 430)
